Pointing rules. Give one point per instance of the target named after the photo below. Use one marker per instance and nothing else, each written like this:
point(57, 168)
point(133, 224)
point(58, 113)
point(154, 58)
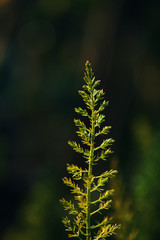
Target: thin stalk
point(88, 215)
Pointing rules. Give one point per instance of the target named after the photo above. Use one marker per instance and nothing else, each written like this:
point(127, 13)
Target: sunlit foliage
point(80, 224)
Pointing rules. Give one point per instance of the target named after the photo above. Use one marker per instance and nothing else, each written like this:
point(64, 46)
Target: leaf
point(103, 105)
point(81, 111)
point(104, 222)
point(82, 203)
point(106, 231)
point(99, 95)
point(69, 182)
point(102, 206)
point(89, 74)
point(104, 131)
point(96, 83)
point(81, 125)
point(87, 88)
point(69, 206)
point(76, 146)
point(99, 120)
point(86, 97)
point(105, 144)
point(102, 155)
point(78, 191)
point(95, 92)
point(111, 173)
point(75, 171)
point(67, 224)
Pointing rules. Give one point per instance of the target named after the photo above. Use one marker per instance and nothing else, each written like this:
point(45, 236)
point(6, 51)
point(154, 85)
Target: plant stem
point(88, 216)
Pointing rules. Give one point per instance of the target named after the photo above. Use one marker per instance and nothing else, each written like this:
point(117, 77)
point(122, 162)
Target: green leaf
point(95, 92)
point(99, 95)
point(105, 144)
point(81, 111)
point(83, 132)
point(100, 119)
point(87, 88)
point(81, 125)
point(104, 222)
point(66, 221)
point(96, 83)
point(69, 206)
point(109, 174)
point(89, 74)
point(102, 155)
point(85, 96)
point(104, 131)
point(77, 190)
point(69, 182)
point(103, 105)
point(76, 171)
point(76, 146)
point(106, 231)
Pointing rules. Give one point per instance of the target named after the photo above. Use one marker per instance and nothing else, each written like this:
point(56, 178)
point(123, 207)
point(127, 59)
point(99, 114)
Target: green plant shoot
point(84, 221)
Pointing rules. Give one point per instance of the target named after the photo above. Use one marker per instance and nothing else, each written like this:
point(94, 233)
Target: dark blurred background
point(43, 47)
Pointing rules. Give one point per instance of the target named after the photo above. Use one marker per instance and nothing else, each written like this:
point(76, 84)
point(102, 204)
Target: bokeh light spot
point(3, 2)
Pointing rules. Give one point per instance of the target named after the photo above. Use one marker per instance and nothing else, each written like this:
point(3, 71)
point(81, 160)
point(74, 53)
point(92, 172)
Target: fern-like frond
point(103, 196)
point(69, 206)
point(81, 111)
point(80, 225)
point(104, 131)
point(105, 144)
point(102, 155)
point(76, 147)
point(106, 231)
point(102, 206)
point(84, 132)
point(77, 172)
